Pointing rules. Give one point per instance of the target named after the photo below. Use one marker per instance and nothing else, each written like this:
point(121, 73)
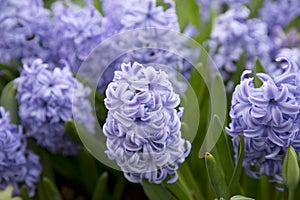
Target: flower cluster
point(153, 28)
point(77, 31)
point(215, 6)
point(288, 9)
point(143, 124)
point(19, 166)
point(235, 34)
point(22, 35)
point(69, 33)
point(45, 104)
point(268, 119)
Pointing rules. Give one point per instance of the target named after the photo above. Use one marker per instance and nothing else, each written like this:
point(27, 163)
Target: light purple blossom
point(22, 35)
point(235, 34)
point(208, 6)
point(268, 119)
point(18, 165)
point(150, 24)
point(279, 13)
point(77, 31)
point(143, 124)
point(45, 104)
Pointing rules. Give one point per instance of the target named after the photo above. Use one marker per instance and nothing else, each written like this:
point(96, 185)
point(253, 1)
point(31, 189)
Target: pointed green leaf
point(218, 110)
point(216, 176)
point(290, 170)
point(9, 102)
point(240, 197)
point(50, 190)
point(72, 131)
point(97, 5)
point(88, 170)
point(101, 187)
point(240, 67)
point(238, 168)
point(295, 23)
point(24, 193)
point(154, 191)
point(258, 68)
point(180, 189)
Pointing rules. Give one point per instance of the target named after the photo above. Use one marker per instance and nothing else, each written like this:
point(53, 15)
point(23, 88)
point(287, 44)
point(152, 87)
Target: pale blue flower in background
point(18, 165)
point(45, 104)
point(22, 35)
point(279, 13)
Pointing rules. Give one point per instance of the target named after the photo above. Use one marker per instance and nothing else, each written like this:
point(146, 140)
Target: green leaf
point(258, 68)
point(101, 187)
point(238, 168)
point(98, 6)
point(72, 131)
point(155, 191)
point(290, 170)
point(255, 7)
point(295, 23)
point(218, 110)
point(180, 189)
point(9, 102)
point(240, 66)
point(216, 176)
point(24, 193)
point(9, 71)
point(88, 170)
point(240, 197)
point(51, 191)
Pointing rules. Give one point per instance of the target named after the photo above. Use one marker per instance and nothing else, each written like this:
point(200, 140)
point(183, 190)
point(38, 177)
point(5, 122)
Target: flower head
point(268, 119)
point(279, 13)
point(18, 165)
point(235, 34)
point(143, 124)
point(77, 31)
point(22, 35)
point(45, 104)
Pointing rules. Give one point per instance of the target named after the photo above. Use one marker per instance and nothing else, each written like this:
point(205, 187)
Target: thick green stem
point(291, 194)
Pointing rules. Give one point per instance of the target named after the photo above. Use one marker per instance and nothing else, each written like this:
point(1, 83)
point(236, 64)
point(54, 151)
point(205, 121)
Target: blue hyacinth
point(151, 39)
point(268, 119)
point(19, 166)
point(279, 13)
point(143, 124)
point(45, 104)
point(77, 31)
point(216, 6)
point(235, 34)
point(22, 35)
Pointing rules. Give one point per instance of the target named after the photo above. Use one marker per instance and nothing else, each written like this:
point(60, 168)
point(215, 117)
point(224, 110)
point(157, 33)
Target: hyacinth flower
point(77, 31)
point(268, 119)
point(152, 28)
point(216, 6)
point(22, 35)
point(235, 34)
point(143, 125)
point(45, 100)
point(279, 13)
point(19, 166)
